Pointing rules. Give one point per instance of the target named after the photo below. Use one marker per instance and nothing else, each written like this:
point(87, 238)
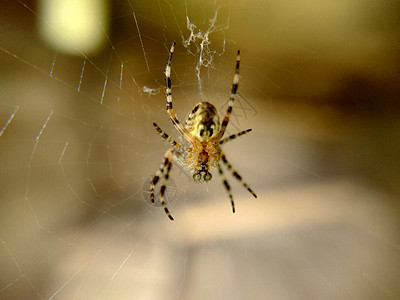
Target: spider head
point(203, 122)
point(206, 176)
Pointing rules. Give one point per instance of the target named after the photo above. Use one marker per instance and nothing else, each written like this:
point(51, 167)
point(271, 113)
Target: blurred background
point(83, 81)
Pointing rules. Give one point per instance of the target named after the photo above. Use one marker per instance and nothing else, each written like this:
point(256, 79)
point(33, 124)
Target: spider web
point(77, 151)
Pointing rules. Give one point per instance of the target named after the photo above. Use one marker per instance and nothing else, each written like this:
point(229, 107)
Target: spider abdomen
point(203, 122)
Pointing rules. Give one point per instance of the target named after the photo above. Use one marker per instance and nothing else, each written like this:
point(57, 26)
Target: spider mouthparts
point(207, 176)
point(196, 176)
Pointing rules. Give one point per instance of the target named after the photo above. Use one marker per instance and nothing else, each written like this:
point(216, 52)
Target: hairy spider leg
point(234, 136)
point(227, 186)
point(236, 174)
point(166, 137)
point(163, 173)
point(168, 91)
point(235, 86)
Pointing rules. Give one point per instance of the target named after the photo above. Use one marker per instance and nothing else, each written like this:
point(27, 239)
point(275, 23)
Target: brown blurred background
point(81, 85)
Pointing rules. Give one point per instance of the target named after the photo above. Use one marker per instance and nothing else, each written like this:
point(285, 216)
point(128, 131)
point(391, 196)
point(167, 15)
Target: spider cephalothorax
point(204, 132)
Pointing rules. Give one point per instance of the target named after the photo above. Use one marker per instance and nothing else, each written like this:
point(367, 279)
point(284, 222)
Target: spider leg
point(163, 171)
point(236, 174)
point(234, 136)
point(156, 178)
point(168, 91)
point(235, 86)
point(227, 186)
point(166, 137)
point(163, 188)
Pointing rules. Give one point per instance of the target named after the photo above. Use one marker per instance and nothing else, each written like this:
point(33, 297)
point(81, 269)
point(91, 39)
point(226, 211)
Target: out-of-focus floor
point(334, 239)
point(77, 148)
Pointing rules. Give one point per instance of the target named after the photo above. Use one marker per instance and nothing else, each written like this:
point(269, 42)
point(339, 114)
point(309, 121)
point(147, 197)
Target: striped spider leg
point(162, 173)
point(164, 170)
point(234, 174)
point(183, 131)
point(234, 136)
point(225, 122)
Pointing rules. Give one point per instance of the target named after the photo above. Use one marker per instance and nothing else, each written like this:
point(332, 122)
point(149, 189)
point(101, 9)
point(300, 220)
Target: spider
point(204, 132)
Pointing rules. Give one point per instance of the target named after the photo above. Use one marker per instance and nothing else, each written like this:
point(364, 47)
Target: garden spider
point(204, 132)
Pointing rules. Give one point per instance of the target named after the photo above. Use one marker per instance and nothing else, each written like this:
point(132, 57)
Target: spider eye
point(207, 177)
point(196, 176)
